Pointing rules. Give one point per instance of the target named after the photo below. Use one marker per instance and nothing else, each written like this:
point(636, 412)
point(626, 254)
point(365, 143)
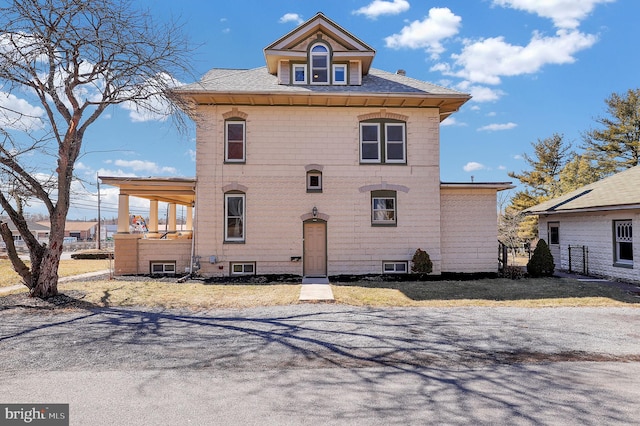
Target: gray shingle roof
point(617, 191)
point(258, 80)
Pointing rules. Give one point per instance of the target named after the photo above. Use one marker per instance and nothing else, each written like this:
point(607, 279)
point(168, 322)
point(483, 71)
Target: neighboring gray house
point(590, 230)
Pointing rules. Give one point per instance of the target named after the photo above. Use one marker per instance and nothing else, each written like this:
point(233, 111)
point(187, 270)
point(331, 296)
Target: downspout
point(193, 239)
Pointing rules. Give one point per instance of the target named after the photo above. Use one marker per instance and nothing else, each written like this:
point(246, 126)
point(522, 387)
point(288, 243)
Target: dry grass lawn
point(68, 268)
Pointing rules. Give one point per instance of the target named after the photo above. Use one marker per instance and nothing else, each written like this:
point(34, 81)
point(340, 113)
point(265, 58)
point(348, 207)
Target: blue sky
point(534, 68)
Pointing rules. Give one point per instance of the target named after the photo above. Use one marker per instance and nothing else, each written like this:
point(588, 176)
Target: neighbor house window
point(234, 212)
point(395, 267)
point(235, 146)
point(340, 74)
point(319, 64)
point(383, 208)
point(245, 268)
point(314, 181)
point(554, 233)
point(382, 142)
point(299, 74)
point(163, 268)
point(623, 230)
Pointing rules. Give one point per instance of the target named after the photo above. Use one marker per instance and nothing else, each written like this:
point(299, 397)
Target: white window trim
point(617, 240)
point(311, 67)
point(243, 265)
point(165, 271)
point(369, 160)
point(226, 141)
point(404, 143)
point(226, 218)
point(293, 72)
point(395, 267)
point(381, 221)
point(314, 187)
point(333, 74)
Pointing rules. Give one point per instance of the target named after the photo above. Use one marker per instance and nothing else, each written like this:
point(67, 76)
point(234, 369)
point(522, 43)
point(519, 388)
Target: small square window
point(339, 74)
point(314, 181)
point(299, 74)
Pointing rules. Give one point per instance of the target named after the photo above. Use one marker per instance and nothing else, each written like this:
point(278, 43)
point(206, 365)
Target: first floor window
point(234, 217)
point(235, 141)
point(394, 267)
point(383, 208)
point(248, 268)
point(623, 241)
point(554, 233)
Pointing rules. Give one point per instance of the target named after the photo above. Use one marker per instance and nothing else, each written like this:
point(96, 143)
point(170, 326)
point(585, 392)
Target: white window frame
point(168, 268)
point(226, 141)
point(377, 142)
point(336, 67)
point(622, 233)
point(314, 188)
point(375, 221)
point(327, 69)
point(242, 268)
point(242, 217)
point(296, 67)
point(395, 265)
point(387, 143)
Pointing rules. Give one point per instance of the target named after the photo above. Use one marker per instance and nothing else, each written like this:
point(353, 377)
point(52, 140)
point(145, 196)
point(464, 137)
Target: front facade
point(590, 230)
point(319, 165)
point(315, 165)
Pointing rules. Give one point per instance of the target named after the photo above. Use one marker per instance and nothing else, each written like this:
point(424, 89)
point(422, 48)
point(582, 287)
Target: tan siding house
point(320, 165)
point(595, 224)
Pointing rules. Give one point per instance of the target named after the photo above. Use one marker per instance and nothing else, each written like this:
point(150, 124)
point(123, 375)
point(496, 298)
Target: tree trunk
point(46, 284)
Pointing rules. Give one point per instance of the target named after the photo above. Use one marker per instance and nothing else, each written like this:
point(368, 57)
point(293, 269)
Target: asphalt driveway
point(329, 364)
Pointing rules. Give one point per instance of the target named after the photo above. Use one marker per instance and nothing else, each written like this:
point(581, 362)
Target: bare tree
point(62, 64)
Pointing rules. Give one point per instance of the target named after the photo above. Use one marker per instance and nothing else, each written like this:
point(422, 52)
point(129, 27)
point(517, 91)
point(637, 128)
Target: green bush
point(421, 262)
point(541, 263)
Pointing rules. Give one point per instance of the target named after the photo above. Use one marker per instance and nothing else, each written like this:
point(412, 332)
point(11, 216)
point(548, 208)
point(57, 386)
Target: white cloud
point(517, 157)
point(501, 167)
point(382, 7)
point(497, 127)
point(485, 61)
point(428, 33)
point(563, 13)
point(450, 121)
point(291, 17)
point(192, 154)
point(473, 166)
point(153, 107)
point(145, 166)
point(480, 93)
point(19, 114)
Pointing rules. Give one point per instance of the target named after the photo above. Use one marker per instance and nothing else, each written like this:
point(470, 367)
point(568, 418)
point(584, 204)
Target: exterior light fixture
point(314, 211)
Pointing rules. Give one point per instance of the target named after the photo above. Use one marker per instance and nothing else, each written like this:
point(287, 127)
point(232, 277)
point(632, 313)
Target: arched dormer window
point(320, 64)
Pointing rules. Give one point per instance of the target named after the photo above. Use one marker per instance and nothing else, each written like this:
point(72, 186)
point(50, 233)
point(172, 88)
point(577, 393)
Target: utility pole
point(99, 218)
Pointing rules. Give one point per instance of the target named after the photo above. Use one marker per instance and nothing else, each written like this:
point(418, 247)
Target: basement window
point(163, 268)
point(395, 267)
point(245, 268)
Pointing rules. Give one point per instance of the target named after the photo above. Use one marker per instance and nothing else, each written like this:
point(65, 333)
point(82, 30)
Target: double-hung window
point(623, 237)
point(383, 208)
point(383, 142)
point(319, 64)
point(235, 144)
point(234, 217)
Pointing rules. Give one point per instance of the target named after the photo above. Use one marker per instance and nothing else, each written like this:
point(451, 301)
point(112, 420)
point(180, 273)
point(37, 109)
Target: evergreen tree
point(578, 172)
point(616, 146)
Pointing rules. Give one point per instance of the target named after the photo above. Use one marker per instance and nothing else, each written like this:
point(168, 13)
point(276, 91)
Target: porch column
point(153, 216)
point(171, 220)
point(123, 213)
point(189, 226)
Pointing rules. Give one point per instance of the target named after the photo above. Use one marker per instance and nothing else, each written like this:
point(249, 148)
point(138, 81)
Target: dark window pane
point(395, 151)
point(248, 268)
point(319, 61)
point(401, 267)
point(369, 133)
point(395, 133)
point(319, 49)
point(314, 181)
point(554, 235)
point(626, 251)
point(235, 132)
point(234, 228)
point(236, 151)
point(320, 76)
point(339, 75)
point(370, 151)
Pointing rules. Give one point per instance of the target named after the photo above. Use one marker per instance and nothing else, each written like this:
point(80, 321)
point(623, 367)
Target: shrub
point(421, 262)
point(541, 263)
point(512, 272)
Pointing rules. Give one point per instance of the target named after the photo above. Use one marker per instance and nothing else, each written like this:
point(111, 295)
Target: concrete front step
point(316, 293)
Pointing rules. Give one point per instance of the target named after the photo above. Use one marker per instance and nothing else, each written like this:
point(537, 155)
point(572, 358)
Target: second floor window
point(235, 146)
point(382, 142)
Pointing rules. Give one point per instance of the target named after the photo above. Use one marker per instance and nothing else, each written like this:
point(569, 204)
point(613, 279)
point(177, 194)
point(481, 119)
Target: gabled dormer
point(319, 52)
